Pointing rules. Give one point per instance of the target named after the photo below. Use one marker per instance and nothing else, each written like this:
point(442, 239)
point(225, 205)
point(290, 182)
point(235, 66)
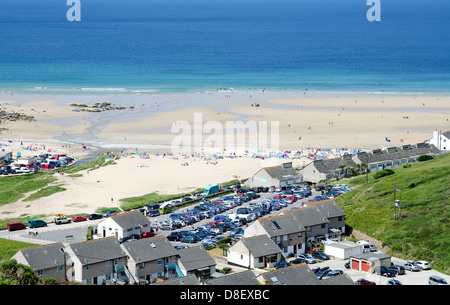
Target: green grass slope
point(422, 232)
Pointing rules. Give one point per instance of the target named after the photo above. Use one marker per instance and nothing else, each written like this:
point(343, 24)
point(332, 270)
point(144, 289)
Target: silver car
point(411, 267)
point(436, 280)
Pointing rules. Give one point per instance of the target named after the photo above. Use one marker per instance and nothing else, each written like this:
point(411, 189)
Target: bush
point(425, 158)
point(384, 172)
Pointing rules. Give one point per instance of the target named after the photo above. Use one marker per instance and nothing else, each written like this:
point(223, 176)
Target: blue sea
point(206, 45)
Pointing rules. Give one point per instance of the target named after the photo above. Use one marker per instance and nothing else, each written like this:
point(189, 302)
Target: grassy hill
point(422, 232)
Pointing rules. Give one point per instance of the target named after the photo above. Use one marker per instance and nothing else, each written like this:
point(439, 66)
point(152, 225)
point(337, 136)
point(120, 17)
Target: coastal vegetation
point(13, 188)
point(420, 230)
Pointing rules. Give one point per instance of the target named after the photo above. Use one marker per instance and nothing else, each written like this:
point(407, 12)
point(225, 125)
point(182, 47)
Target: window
point(107, 263)
point(322, 226)
point(40, 272)
point(141, 265)
point(88, 267)
point(159, 261)
point(59, 269)
point(299, 234)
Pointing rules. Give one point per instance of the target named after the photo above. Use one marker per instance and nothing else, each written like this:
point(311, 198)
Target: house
point(279, 176)
point(369, 261)
point(245, 278)
point(122, 225)
point(335, 216)
point(190, 280)
point(392, 157)
point(97, 261)
point(48, 261)
point(441, 140)
point(297, 228)
point(284, 230)
point(258, 251)
point(327, 169)
point(151, 258)
point(196, 260)
point(343, 249)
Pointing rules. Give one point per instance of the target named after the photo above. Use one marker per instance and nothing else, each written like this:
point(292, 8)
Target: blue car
point(282, 265)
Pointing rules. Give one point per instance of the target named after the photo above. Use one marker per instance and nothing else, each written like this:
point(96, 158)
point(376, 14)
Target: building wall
point(311, 174)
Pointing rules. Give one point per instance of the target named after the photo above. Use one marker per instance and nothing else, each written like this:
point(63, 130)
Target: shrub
point(384, 172)
point(425, 158)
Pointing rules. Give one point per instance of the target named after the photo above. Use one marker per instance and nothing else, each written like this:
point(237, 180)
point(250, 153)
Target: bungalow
point(279, 176)
point(196, 260)
point(4, 156)
point(47, 260)
point(122, 225)
point(151, 258)
point(327, 169)
point(255, 252)
point(97, 261)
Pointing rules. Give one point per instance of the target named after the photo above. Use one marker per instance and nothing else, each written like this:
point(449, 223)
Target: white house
point(279, 176)
point(441, 140)
point(123, 225)
point(255, 252)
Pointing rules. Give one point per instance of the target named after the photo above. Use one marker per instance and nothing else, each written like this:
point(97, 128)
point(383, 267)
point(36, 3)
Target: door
point(365, 266)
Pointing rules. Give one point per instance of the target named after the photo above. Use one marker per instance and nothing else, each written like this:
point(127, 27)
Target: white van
point(367, 247)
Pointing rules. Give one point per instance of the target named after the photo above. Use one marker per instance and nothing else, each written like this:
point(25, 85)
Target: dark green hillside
point(422, 232)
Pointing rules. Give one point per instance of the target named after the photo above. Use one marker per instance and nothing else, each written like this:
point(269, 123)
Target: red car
point(78, 218)
point(148, 234)
point(12, 226)
point(364, 282)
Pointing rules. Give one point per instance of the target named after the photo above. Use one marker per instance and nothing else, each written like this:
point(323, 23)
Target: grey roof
point(446, 134)
point(44, 257)
point(341, 279)
point(260, 245)
point(130, 219)
point(150, 249)
point(332, 165)
point(280, 225)
point(328, 207)
point(398, 153)
point(309, 216)
point(237, 278)
point(293, 275)
point(189, 279)
point(194, 258)
point(279, 171)
point(97, 250)
point(371, 256)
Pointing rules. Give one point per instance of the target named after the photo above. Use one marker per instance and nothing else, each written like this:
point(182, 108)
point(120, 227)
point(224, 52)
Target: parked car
point(281, 265)
point(411, 266)
point(320, 255)
point(13, 226)
point(436, 280)
point(94, 216)
point(424, 265)
point(78, 218)
point(174, 236)
point(400, 270)
point(298, 261)
point(309, 259)
point(148, 234)
point(332, 273)
point(384, 271)
point(36, 223)
point(394, 282)
point(362, 281)
point(189, 239)
point(109, 213)
point(347, 265)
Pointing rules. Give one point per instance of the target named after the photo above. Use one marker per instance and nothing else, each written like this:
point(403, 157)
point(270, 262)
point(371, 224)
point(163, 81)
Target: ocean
point(147, 46)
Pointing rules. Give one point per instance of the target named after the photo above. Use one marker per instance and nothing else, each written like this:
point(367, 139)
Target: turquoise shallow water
point(174, 46)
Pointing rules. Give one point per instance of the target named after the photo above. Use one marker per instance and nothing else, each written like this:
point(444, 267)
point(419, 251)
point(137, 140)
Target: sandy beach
point(307, 122)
